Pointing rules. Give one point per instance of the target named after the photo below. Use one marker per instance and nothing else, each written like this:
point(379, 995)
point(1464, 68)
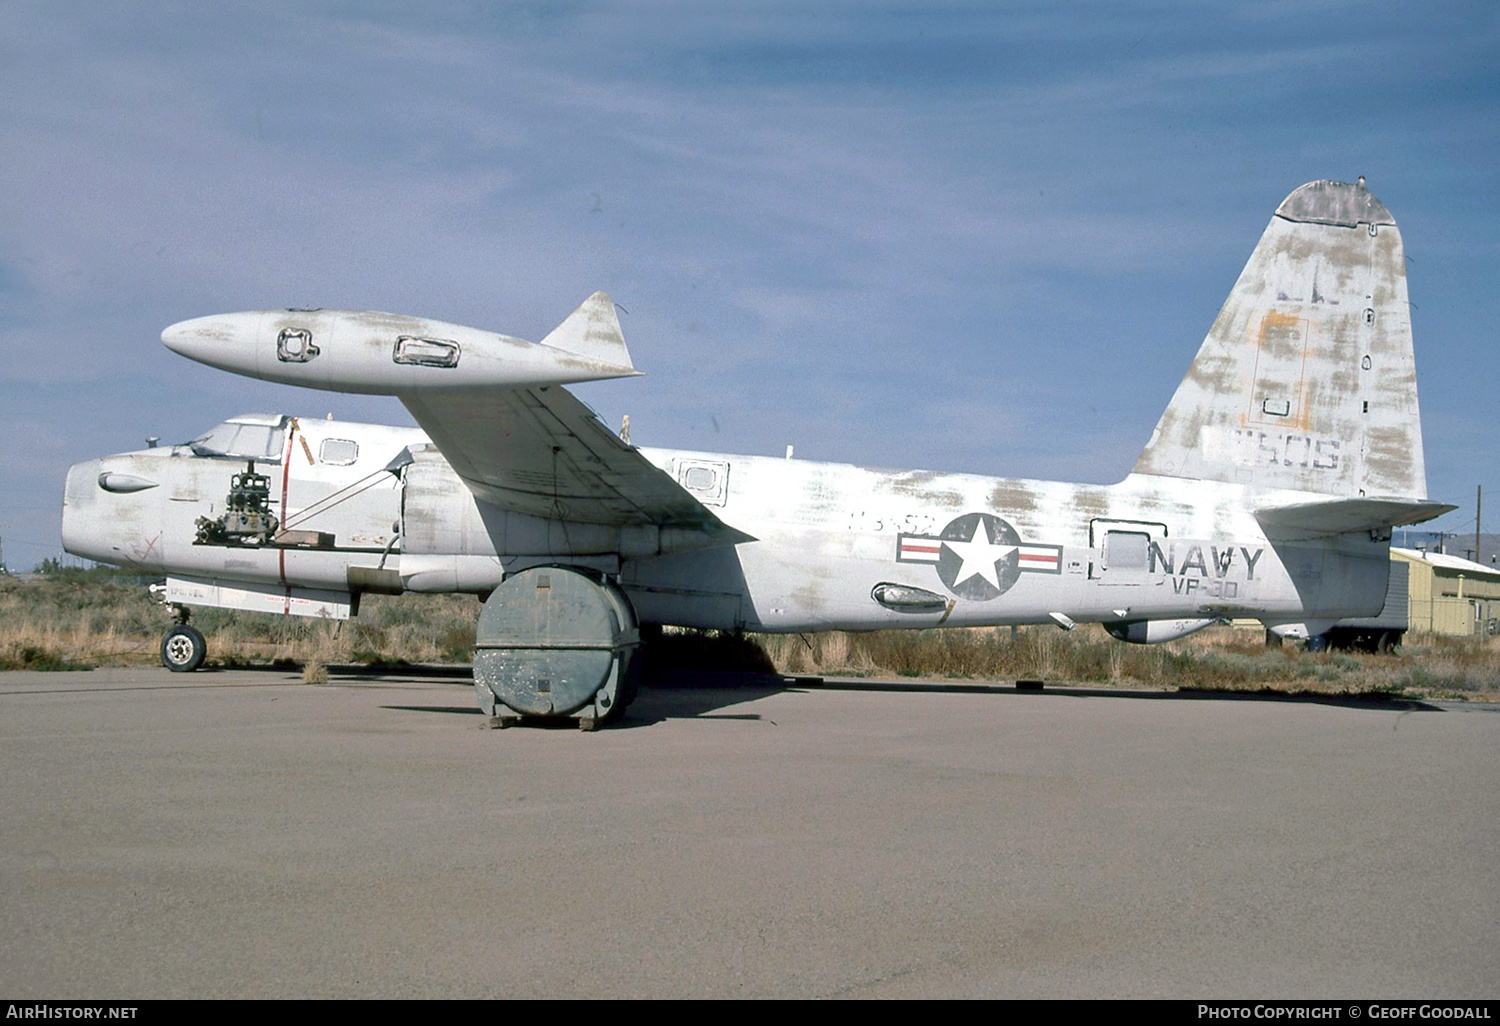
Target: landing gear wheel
point(183, 649)
point(1388, 642)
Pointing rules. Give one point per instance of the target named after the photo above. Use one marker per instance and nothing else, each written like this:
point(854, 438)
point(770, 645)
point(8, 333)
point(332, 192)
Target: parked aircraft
point(1268, 490)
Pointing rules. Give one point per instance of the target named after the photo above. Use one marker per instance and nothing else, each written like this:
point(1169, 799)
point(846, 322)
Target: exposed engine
point(247, 518)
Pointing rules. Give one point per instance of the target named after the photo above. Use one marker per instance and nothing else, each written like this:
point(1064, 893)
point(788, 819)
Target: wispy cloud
point(935, 234)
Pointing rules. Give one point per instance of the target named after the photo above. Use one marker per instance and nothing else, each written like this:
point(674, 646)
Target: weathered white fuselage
point(830, 534)
point(950, 549)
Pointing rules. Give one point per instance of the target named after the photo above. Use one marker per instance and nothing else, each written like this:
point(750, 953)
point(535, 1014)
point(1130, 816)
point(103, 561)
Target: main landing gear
point(556, 642)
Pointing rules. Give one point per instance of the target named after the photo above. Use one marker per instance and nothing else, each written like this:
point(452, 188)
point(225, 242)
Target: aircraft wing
point(542, 452)
point(494, 405)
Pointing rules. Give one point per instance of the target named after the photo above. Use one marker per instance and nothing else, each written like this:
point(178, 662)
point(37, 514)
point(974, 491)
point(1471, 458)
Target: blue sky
point(958, 236)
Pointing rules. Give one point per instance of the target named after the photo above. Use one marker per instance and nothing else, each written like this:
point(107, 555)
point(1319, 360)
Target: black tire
point(183, 649)
point(1388, 643)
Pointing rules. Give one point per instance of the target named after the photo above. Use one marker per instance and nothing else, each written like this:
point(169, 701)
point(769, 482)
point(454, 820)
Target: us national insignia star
point(978, 556)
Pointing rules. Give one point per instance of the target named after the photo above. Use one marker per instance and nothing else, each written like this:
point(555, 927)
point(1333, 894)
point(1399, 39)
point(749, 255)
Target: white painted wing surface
point(542, 452)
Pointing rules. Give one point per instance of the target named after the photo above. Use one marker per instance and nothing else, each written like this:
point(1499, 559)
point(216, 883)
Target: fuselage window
point(338, 451)
point(700, 479)
point(708, 481)
point(1125, 550)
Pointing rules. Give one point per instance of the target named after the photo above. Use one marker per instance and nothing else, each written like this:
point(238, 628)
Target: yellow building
point(1449, 595)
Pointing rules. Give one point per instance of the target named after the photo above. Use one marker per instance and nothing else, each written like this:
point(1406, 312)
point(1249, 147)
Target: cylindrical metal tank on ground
point(555, 641)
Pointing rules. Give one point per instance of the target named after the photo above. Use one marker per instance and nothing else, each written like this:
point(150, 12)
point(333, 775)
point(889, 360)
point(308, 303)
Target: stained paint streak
point(286, 477)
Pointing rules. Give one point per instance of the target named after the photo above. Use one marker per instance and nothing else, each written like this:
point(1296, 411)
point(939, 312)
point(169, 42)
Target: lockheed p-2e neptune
point(1268, 490)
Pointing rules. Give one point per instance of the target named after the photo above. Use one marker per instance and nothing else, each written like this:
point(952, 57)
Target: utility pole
point(1478, 496)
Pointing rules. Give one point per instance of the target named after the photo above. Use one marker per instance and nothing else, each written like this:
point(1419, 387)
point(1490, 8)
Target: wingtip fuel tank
point(388, 354)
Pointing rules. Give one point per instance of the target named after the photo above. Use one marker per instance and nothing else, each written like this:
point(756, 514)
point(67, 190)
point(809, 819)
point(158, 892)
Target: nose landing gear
point(183, 649)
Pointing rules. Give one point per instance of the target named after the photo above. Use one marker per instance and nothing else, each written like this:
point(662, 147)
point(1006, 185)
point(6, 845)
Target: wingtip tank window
point(425, 352)
point(295, 345)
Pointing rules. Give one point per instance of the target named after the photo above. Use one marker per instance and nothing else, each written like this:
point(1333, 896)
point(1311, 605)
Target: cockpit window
point(246, 441)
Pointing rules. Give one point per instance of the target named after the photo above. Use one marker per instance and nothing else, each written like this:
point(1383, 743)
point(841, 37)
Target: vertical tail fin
point(593, 331)
point(1306, 380)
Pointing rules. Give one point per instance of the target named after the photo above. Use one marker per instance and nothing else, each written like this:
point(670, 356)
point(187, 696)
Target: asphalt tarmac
point(241, 834)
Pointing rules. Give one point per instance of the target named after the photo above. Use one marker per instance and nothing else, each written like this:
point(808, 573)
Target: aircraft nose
point(113, 514)
point(78, 508)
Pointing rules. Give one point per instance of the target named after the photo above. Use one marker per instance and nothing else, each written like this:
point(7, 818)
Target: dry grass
point(81, 618)
point(1221, 658)
point(104, 619)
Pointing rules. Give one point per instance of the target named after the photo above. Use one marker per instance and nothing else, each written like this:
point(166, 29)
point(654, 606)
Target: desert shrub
point(78, 618)
point(36, 657)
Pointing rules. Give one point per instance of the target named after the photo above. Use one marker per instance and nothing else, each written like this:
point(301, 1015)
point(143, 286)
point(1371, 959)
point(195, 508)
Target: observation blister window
point(425, 352)
point(295, 345)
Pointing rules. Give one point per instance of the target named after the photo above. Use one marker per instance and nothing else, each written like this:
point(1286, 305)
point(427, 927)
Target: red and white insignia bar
point(915, 548)
point(1046, 559)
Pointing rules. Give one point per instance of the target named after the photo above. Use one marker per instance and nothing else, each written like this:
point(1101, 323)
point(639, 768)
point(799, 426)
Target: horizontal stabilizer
point(1337, 516)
